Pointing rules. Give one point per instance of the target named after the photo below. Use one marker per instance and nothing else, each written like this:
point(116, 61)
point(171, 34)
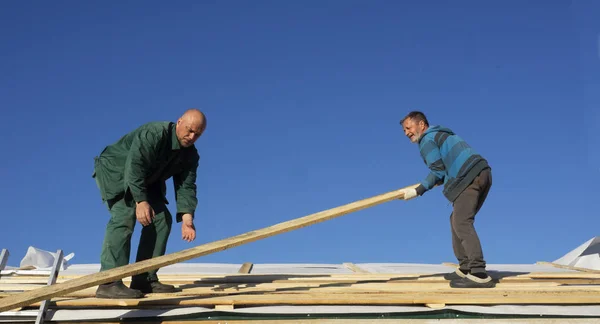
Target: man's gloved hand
point(409, 193)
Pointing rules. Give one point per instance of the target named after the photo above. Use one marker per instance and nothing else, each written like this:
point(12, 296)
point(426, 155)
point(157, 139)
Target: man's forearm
point(432, 180)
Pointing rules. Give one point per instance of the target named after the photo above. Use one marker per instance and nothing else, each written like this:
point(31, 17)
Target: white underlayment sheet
point(587, 255)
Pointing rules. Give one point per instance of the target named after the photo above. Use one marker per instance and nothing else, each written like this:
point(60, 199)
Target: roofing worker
point(467, 179)
point(131, 175)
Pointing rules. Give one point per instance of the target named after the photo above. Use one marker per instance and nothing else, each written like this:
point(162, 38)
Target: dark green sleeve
point(185, 188)
point(137, 166)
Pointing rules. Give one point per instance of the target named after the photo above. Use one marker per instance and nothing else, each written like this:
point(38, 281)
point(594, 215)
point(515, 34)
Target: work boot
point(458, 274)
point(154, 286)
point(474, 280)
point(117, 290)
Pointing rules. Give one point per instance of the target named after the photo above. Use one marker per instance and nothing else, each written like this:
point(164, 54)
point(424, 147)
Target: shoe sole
point(118, 297)
point(490, 284)
point(163, 291)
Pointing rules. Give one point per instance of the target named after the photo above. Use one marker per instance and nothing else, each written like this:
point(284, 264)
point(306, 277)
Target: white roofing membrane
point(587, 255)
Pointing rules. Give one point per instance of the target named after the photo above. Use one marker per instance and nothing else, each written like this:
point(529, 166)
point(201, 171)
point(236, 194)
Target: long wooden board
point(200, 290)
point(48, 292)
point(452, 296)
point(562, 266)
point(566, 277)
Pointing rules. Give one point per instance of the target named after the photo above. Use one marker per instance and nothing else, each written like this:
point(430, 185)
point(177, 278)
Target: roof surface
point(327, 291)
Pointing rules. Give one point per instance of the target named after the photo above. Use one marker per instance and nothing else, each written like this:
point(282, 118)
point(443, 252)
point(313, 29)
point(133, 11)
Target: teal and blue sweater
point(451, 161)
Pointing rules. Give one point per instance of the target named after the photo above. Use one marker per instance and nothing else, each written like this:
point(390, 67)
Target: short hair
point(417, 116)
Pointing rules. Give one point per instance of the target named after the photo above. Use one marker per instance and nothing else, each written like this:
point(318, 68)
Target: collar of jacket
point(174, 141)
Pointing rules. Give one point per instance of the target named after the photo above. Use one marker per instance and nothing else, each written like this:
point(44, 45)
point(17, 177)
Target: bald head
point(190, 126)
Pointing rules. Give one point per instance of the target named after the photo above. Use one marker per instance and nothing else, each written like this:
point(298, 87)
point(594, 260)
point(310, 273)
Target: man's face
point(188, 131)
point(413, 130)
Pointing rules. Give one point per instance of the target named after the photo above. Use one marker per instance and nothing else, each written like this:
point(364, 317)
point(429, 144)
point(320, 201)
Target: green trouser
point(117, 240)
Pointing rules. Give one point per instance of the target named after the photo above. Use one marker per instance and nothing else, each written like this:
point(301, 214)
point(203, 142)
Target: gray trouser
point(465, 242)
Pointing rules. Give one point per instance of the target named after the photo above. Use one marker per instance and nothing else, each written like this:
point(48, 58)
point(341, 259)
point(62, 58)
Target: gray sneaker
point(458, 274)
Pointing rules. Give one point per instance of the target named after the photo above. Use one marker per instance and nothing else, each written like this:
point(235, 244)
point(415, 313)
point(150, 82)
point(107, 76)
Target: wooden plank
point(384, 277)
point(571, 275)
point(329, 276)
point(355, 268)
point(562, 266)
point(365, 288)
point(453, 296)
point(564, 278)
point(307, 284)
point(374, 289)
point(246, 267)
point(15, 287)
point(101, 277)
point(224, 307)
point(450, 264)
point(436, 306)
point(211, 290)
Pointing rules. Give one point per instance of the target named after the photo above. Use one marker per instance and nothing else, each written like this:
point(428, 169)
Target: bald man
point(131, 175)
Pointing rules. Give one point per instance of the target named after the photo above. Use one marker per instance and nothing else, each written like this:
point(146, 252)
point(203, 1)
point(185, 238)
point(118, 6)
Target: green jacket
point(137, 166)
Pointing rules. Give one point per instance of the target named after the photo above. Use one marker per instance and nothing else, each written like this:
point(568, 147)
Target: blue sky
point(303, 100)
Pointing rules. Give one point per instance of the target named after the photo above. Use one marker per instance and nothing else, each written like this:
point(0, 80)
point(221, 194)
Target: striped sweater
point(451, 161)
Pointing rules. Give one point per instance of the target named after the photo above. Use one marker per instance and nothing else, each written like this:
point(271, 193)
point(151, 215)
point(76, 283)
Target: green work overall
point(135, 169)
point(116, 247)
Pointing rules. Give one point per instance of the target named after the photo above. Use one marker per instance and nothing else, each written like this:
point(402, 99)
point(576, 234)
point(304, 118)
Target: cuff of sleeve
point(139, 196)
point(179, 216)
point(420, 190)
